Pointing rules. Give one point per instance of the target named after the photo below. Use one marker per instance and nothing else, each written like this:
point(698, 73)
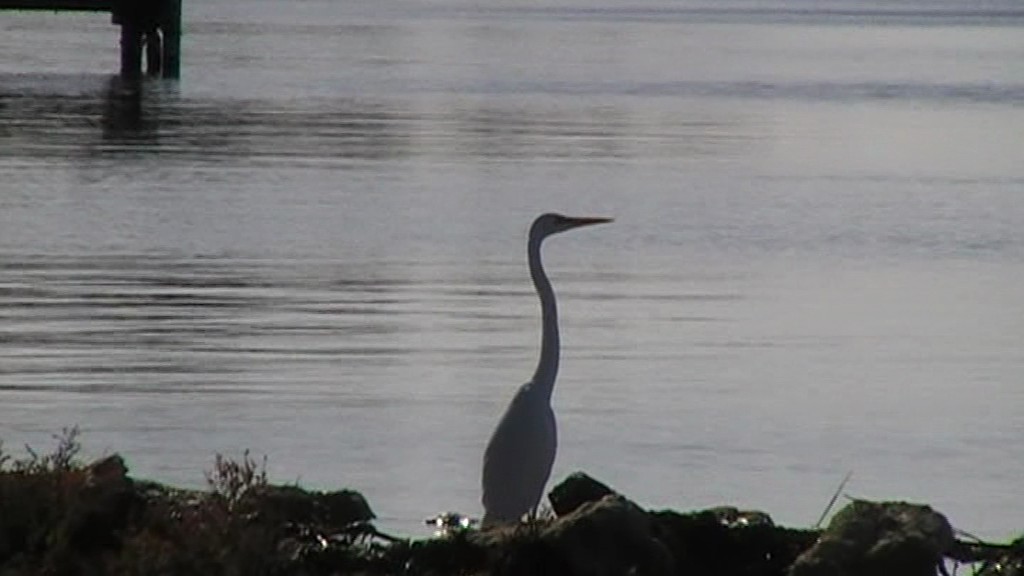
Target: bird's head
point(548, 224)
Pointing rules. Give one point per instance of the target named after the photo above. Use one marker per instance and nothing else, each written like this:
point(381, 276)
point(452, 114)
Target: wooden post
point(157, 23)
point(170, 26)
point(154, 52)
point(131, 50)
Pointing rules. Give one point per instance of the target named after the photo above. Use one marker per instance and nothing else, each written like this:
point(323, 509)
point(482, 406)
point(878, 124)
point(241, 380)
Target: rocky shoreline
point(60, 517)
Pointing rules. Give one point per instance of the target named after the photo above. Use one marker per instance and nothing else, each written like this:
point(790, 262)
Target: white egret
point(518, 459)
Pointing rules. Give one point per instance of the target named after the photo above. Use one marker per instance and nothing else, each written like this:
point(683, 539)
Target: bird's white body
point(521, 452)
point(526, 440)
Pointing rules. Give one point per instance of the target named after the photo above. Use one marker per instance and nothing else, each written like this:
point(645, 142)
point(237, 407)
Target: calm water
point(313, 247)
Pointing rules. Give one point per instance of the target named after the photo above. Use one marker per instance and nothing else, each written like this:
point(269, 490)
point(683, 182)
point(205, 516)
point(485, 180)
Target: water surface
point(313, 247)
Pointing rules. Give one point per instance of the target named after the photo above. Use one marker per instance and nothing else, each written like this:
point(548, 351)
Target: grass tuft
point(232, 480)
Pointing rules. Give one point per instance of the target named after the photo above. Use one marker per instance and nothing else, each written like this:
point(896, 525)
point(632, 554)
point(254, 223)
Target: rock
point(576, 490)
point(611, 536)
point(601, 532)
point(608, 537)
point(459, 552)
point(98, 502)
point(95, 519)
point(729, 541)
point(327, 510)
point(344, 507)
point(871, 538)
point(109, 471)
point(1009, 562)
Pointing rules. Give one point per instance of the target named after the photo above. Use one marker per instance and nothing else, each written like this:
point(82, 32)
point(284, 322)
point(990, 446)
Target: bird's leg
point(532, 526)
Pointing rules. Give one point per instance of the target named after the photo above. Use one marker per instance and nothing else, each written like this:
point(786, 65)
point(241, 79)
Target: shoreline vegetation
point(61, 516)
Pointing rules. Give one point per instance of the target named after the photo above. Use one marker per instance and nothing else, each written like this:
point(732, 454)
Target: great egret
point(519, 456)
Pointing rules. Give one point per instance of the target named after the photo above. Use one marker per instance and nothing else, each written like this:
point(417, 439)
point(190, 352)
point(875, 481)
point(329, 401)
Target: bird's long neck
point(547, 367)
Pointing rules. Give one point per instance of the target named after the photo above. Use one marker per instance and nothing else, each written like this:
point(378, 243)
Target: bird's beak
point(575, 222)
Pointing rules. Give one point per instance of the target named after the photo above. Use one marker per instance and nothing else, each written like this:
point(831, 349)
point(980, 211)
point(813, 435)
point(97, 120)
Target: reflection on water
point(312, 247)
point(159, 120)
point(185, 318)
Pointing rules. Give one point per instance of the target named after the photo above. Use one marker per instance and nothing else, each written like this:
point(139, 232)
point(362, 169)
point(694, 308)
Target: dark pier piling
point(150, 25)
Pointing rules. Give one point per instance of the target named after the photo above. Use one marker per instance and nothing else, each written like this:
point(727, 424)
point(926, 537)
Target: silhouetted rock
point(328, 510)
point(461, 552)
point(871, 538)
point(574, 491)
point(59, 517)
point(101, 507)
point(613, 535)
point(728, 541)
point(608, 537)
point(110, 471)
point(1008, 562)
